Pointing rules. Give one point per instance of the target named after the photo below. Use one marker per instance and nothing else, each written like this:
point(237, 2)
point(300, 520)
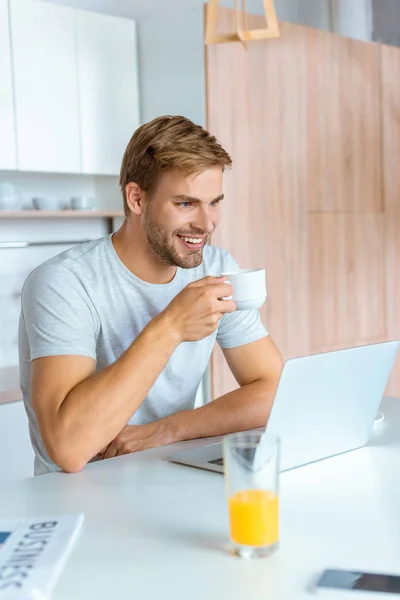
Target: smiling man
point(116, 334)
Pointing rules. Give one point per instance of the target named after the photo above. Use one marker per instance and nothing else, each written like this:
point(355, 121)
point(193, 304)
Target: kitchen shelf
point(59, 214)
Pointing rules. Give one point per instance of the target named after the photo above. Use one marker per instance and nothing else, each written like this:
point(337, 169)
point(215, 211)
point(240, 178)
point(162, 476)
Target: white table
point(159, 530)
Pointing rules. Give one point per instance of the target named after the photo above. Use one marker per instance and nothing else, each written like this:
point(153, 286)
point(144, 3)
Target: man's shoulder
point(82, 255)
point(52, 274)
point(66, 268)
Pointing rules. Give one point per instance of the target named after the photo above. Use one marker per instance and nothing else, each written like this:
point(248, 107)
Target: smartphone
point(372, 584)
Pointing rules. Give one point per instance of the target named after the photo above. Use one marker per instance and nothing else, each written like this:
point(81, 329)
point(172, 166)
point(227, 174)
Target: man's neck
point(133, 250)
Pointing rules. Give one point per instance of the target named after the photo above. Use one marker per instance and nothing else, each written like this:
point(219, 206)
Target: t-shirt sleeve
point(241, 327)
point(57, 312)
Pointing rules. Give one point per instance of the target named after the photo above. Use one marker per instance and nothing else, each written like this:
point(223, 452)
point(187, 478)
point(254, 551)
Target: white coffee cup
point(249, 288)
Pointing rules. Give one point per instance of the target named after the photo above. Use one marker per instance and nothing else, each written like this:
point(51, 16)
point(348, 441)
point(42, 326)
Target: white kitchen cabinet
point(108, 89)
point(46, 86)
point(8, 157)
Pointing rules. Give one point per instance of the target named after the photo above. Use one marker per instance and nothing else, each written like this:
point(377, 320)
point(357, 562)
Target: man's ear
point(134, 198)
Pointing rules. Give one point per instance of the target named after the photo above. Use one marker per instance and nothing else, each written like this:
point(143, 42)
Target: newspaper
point(32, 554)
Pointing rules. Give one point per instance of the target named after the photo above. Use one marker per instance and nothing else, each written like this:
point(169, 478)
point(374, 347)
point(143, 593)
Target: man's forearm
point(96, 410)
point(245, 408)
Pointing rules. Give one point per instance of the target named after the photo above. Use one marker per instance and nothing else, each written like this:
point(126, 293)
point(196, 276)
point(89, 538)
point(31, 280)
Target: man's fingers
point(207, 281)
point(111, 451)
point(222, 290)
point(226, 306)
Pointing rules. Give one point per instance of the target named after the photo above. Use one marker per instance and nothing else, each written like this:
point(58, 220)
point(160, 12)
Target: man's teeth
point(193, 240)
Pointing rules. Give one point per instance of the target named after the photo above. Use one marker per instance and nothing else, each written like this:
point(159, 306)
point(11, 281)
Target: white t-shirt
point(85, 301)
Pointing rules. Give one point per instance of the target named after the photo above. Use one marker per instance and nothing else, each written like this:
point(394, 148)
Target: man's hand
point(195, 312)
point(138, 437)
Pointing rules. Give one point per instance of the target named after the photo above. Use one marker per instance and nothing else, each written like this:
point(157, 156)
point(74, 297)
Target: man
point(115, 335)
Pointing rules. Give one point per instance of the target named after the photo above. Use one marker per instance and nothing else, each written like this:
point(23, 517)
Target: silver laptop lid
point(326, 404)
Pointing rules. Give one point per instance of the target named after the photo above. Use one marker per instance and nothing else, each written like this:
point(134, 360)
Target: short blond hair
point(168, 143)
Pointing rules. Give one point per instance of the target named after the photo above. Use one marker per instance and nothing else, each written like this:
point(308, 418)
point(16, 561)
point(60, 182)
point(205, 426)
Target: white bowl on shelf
point(46, 203)
point(9, 202)
point(83, 203)
point(9, 196)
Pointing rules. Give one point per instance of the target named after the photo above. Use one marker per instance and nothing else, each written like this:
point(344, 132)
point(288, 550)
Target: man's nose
point(203, 221)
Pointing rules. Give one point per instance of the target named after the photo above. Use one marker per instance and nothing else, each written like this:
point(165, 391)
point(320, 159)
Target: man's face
point(181, 215)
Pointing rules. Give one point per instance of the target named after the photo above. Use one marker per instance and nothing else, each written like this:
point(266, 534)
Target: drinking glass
point(251, 463)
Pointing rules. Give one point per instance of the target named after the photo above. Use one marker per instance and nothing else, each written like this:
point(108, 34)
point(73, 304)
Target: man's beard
point(163, 242)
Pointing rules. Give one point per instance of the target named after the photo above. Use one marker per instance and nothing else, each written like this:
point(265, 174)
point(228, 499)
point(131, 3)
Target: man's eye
point(184, 204)
point(215, 203)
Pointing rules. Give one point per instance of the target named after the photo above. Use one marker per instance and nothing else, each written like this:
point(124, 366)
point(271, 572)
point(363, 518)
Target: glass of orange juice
point(251, 463)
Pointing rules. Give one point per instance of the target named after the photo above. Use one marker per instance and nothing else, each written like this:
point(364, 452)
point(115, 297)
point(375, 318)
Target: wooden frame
point(242, 34)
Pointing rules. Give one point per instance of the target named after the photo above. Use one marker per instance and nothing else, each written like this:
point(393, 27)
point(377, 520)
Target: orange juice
point(254, 516)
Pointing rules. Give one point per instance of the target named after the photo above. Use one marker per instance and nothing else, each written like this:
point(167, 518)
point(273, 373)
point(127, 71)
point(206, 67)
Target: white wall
point(352, 18)
point(314, 13)
point(171, 65)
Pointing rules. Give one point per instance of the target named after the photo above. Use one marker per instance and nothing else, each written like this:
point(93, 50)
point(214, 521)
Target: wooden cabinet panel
point(264, 220)
point(277, 196)
point(346, 279)
point(108, 89)
point(391, 126)
point(236, 232)
point(392, 238)
point(311, 197)
point(391, 160)
point(8, 157)
point(46, 87)
point(343, 82)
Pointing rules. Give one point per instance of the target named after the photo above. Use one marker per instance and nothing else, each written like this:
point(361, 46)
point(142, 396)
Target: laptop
point(325, 404)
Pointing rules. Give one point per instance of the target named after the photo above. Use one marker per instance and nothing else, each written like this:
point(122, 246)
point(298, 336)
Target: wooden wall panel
point(346, 280)
point(315, 139)
point(391, 160)
point(391, 126)
point(228, 118)
point(276, 196)
point(342, 78)
point(392, 238)
point(264, 219)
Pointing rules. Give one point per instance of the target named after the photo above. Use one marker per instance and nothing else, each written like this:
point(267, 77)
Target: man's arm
point(256, 366)
point(80, 412)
